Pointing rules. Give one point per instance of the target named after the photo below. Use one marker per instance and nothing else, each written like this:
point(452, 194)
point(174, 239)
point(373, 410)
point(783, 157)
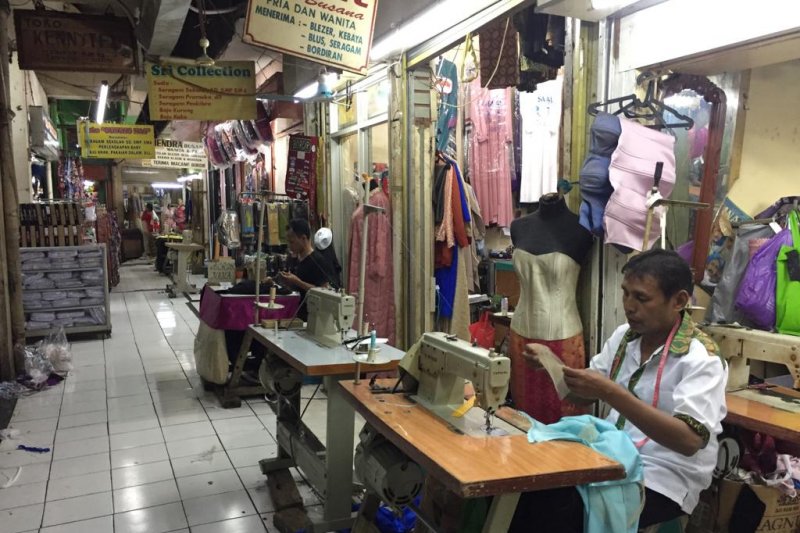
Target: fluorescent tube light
point(309, 91)
point(166, 185)
point(419, 29)
point(101, 103)
point(190, 177)
point(611, 4)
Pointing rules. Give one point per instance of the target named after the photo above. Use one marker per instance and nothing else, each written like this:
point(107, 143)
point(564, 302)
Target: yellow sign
point(223, 91)
point(116, 141)
point(331, 32)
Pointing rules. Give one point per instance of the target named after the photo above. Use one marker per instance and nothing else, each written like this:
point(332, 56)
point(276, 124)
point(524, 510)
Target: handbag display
point(787, 292)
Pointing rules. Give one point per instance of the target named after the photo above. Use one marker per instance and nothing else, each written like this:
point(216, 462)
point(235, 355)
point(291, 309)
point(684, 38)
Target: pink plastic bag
point(756, 297)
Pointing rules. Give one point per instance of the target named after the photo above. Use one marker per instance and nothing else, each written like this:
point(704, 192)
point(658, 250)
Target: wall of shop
point(771, 149)
point(25, 91)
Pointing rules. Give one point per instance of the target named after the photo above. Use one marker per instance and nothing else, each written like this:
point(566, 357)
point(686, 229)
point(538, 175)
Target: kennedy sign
point(332, 32)
point(51, 40)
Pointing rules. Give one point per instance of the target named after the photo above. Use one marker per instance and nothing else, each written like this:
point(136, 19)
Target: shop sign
point(43, 134)
point(51, 40)
point(223, 91)
point(177, 154)
point(116, 141)
point(301, 169)
point(332, 32)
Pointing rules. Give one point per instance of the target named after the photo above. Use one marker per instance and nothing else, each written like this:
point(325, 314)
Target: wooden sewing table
point(748, 411)
point(476, 466)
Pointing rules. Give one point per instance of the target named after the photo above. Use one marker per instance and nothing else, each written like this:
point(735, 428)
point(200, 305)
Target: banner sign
point(223, 91)
point(332, 32)
point(116, 141)
point(178, 154)
point(301, 170)
point(51, 40)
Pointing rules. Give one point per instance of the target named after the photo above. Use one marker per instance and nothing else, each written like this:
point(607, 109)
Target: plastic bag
point(210, 354)
point(787, 296)
point(57, 350)
point(756, 296)
point(482, 331)
point(37, 365)
point(722, 303)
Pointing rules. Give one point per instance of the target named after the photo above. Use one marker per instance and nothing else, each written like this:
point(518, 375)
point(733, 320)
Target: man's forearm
point(661, 427)
point(303, 286)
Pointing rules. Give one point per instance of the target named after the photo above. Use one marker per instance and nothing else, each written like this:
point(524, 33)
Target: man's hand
point(532, 353)
point(289, 278)
point(588, 384)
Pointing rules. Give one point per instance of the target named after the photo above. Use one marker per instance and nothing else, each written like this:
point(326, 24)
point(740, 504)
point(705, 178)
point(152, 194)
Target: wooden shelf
point(72, 308)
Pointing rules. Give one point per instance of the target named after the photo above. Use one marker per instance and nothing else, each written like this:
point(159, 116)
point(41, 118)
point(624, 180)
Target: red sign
point(301, 172)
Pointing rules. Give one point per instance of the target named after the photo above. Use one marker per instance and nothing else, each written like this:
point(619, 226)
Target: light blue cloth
point(608, 505)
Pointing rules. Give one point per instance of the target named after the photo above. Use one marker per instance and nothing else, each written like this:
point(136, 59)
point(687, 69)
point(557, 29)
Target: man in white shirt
point(672, 407)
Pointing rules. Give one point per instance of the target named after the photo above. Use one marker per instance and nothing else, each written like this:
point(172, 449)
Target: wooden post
point(10, 206)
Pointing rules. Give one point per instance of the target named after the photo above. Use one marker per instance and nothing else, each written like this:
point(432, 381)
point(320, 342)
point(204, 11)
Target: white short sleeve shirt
point(693, 389)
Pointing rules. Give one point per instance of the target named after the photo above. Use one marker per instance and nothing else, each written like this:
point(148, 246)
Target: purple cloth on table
point(235, 312)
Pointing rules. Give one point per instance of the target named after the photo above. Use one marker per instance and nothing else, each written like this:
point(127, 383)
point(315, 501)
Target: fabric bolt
point(541, 125)
point(692, 389)
point(478, 235)
point(459, 323)
point(532, 389)
point(447, 86)
point(607, 505)
point(595, 185)
point(446, 278)
point(631, 174)
point(273, 225)
point(499, 58)
point(379, 309)
point(283, 221)
point(546, 308)
point(444, 232)
point(491, 116)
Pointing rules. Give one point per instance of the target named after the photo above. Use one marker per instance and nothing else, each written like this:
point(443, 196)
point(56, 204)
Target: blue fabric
point(464, 203)
point(448, 106)
point(608, 505)
point(446, 280)
point(596, 188)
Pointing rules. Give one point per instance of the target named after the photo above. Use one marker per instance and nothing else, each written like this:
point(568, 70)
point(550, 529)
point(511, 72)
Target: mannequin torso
point(553, 228)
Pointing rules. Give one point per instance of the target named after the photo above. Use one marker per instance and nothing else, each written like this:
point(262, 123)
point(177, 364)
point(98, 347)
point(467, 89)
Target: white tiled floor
point(137, 445)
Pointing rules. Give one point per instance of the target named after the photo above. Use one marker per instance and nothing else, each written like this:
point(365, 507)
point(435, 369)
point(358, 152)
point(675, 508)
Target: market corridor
point(136, 444)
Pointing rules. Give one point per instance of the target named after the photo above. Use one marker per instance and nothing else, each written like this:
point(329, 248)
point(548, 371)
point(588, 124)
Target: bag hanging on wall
point(482, 331)
point(787, 295)
point(756, 296)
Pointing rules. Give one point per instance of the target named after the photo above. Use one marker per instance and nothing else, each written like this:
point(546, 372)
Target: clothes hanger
point(649, 109)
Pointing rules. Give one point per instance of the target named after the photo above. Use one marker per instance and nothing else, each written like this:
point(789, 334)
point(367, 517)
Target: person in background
point(671, 406)
point(311, 268)
point(149, 219)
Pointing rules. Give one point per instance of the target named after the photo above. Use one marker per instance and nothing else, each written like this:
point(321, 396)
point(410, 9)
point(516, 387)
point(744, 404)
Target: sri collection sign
point(332, 32)
point(223, 91)
point(116, 141)
point(177, 154)
point(51, 40)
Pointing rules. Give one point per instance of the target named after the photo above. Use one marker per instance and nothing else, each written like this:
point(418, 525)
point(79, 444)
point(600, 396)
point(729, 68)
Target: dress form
point(550, 246)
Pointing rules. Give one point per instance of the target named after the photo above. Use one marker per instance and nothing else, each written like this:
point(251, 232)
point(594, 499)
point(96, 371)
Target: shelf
point(73, 308)
point(54, 289)
point(69, 330)
point(53, 270)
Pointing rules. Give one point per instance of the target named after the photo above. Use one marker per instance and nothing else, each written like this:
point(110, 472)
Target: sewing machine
point(443, 362)
point(739, 345)
point(330, 315)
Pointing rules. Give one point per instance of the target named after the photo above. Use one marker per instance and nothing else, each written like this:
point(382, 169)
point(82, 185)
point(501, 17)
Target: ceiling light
point(611, 4)
point(419, 29)
point(101, 103)
point(190, 177)
point(166, 185)
point(309, 91)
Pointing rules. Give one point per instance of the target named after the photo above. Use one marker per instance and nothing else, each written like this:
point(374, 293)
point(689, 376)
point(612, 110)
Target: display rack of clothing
point(379, 309)
point(490, 116)
point(452, 253)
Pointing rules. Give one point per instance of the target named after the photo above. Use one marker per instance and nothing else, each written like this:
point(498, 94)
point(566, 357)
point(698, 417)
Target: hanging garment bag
point(787, 294)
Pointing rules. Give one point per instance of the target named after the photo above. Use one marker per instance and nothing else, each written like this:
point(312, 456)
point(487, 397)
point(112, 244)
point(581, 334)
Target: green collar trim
point(687, 332)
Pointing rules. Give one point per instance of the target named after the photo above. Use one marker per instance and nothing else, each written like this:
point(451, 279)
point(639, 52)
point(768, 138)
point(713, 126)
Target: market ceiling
point(172, 28)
